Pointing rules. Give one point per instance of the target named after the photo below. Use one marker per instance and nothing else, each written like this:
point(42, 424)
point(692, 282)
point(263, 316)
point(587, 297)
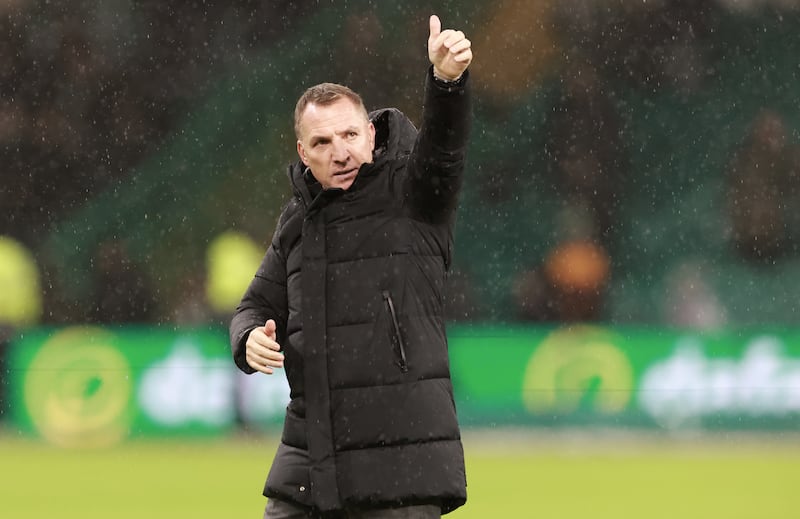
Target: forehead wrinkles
point(329, 119)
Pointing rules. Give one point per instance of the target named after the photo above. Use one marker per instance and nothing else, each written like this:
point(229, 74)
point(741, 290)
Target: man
point(351, 291)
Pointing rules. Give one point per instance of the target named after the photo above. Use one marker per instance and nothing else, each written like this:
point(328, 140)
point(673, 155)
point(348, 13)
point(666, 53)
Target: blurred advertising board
point(623, 377)
point(94, 386)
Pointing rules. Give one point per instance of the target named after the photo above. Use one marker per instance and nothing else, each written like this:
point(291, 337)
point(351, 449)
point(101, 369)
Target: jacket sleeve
point(436, 164)
point(264, 299)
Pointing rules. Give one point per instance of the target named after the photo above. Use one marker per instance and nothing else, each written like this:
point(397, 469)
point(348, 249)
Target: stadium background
point(623, 310)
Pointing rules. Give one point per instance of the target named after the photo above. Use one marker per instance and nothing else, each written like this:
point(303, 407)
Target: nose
point(340, 151)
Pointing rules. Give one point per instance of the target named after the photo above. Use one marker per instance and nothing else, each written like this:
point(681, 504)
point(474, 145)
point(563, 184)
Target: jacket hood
point(395, 135)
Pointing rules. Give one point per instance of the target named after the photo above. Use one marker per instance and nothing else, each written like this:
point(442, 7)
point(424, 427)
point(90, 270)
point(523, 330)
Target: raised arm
point(437, 162)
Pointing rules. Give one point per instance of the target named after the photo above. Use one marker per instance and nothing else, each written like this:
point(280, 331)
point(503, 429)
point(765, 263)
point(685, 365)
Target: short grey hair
point(325, 94)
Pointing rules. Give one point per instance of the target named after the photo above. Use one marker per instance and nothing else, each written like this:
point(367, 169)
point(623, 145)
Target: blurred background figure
point(20, 286)
point(20, 299)
point(577, 274)
point(763, 190)
point(569, 287)
point(231, 259)
point(690, 301)
point(570, 282)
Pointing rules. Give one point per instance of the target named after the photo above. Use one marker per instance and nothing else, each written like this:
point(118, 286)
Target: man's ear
point(301, 152)
point(372, 134)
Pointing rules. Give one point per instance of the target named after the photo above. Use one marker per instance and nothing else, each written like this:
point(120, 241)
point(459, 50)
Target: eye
point(352, 134)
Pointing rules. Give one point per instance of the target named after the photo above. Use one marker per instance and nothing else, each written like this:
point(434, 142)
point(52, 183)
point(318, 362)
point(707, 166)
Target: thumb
point(435, 27)
point(269, 329)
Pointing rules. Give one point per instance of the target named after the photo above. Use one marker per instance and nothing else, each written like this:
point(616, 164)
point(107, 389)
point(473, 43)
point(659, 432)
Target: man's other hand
point(262, 351)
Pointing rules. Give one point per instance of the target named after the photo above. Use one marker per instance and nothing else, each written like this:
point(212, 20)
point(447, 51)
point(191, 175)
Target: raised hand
point(450, 51)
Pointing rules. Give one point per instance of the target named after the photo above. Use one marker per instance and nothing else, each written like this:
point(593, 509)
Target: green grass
point(632, 478)
point(510, 475)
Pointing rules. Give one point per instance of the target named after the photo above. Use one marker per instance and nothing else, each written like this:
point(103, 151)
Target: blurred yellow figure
point(231, 259)
point(20, 287)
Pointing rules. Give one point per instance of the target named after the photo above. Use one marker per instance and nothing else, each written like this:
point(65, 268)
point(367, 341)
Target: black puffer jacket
point(354, 280)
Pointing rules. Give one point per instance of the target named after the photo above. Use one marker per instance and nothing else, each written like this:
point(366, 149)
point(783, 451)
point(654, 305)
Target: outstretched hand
point(450, 51)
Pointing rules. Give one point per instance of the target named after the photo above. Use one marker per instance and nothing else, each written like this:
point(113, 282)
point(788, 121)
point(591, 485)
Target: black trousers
point(277, 509)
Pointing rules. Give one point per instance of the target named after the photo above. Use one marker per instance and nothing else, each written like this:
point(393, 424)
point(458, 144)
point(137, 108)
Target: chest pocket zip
point(396, 336)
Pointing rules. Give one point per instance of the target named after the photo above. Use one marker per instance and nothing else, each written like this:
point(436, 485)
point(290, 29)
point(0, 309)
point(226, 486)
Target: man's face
point(335, 140)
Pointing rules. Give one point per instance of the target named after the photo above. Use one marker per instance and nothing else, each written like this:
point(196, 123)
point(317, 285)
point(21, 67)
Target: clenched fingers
point(262, 353)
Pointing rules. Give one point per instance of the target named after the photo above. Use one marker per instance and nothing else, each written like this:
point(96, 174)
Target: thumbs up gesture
point(450, 51)
point(262, 351)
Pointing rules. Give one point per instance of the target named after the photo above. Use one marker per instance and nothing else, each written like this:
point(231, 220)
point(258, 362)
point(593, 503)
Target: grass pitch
point(520, 474)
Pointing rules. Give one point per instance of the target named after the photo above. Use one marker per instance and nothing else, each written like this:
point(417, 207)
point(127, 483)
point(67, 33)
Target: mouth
point(346, 176)
point(344, 173)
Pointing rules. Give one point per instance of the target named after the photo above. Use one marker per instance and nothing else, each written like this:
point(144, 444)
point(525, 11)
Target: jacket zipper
point(398, 337)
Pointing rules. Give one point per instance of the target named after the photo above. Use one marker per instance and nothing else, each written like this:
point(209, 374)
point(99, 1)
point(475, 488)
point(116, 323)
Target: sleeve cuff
point(449, 84)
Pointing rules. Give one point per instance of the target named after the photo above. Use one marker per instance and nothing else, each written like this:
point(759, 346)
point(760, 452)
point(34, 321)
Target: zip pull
point(400, 346)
